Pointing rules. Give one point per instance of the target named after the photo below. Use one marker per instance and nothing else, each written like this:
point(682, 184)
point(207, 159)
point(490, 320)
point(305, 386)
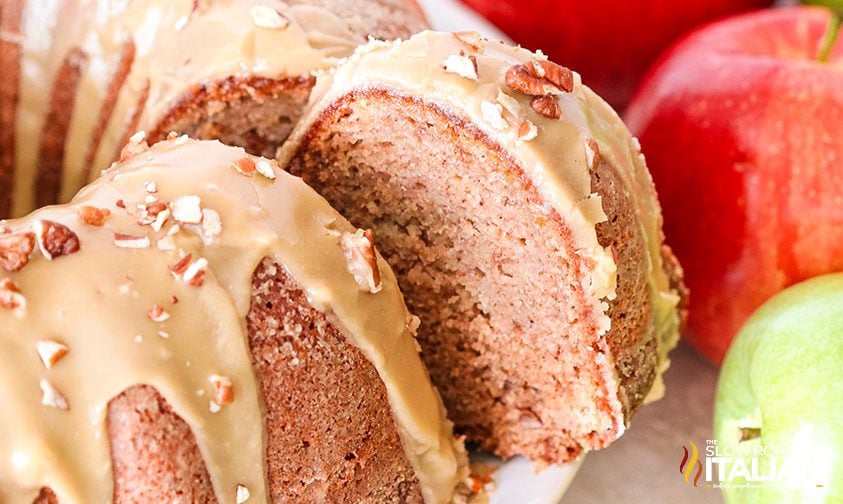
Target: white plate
point(515, 480)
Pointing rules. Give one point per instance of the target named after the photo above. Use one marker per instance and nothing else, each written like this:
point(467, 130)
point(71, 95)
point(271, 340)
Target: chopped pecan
point(131, 241)
point(362, 261)
point(547, 106)
point(187, 209)
point(191, 272)
point(266, 167)
point(157, 314)
point(470, 38)
point(51, 352)
point(15, 250)
point(242, 494)
point(10, 296)
point(538, 77)
point(92, 216)
point(464, 66)
point(54, 239)
point(223, 389)
point(50, 396)
point(527, 131)
point(245, 165)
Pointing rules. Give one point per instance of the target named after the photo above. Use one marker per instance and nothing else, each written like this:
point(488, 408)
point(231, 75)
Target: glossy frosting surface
point(97, 303)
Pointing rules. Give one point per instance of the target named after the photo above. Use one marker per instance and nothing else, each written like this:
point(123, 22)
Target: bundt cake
point(523, 226)
point(199, 326)
point(81, 76)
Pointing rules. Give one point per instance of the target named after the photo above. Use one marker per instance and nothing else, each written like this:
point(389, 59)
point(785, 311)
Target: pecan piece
point(51, 352)
point(50, 396)
point(10, 296)
point(547, 106)
point(245, 166)
point(359, 249)
point(54, 239)
point(537, 78)
point(223, 389)
point(15, 250)
point(92, 216)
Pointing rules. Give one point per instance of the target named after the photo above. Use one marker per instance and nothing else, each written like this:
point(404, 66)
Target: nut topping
point(493, 114)
point(191, 272)
point(547, 106)
point(266, 168)
point(92, 216)
point(50, 396)
point(243, 494)
point(359, 249)
point(245, 166)
point(15, 250)
point(157, 314)
point(509, 103)
point(223, 389)
point(130, 241)
point(187, 209)
point(137, 145)
point(54, 239)
point(267, 17)
point(464, 66)
point(470, 38)
point(10, 296)
point(527, 131)
point(539, 77)
point(211, 223)
point(51, 352)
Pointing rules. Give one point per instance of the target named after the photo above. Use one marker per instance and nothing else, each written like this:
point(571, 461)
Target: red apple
point(610, 42)
point(742, 127)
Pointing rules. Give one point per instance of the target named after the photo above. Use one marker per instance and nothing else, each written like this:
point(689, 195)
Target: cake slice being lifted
point(198, 325)
point(523, 225)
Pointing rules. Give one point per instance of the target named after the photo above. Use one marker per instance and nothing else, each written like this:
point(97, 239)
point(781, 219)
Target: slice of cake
point(523, 225)
point(199, 326)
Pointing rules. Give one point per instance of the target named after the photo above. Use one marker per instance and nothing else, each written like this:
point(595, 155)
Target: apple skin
point(784, 374)
point(610, 42)
point(743, 133)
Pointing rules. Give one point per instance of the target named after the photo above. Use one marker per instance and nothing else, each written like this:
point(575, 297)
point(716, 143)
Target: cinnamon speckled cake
point(522, 223)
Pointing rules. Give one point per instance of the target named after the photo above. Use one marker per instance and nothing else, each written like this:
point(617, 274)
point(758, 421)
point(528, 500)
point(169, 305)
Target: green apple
point(778, 418)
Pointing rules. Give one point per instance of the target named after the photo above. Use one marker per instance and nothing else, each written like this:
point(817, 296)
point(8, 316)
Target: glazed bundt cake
point(523, 226)
point(81, 76)
point(199, 326)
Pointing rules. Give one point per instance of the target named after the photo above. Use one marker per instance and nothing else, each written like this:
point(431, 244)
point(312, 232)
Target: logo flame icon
point(686, 467)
